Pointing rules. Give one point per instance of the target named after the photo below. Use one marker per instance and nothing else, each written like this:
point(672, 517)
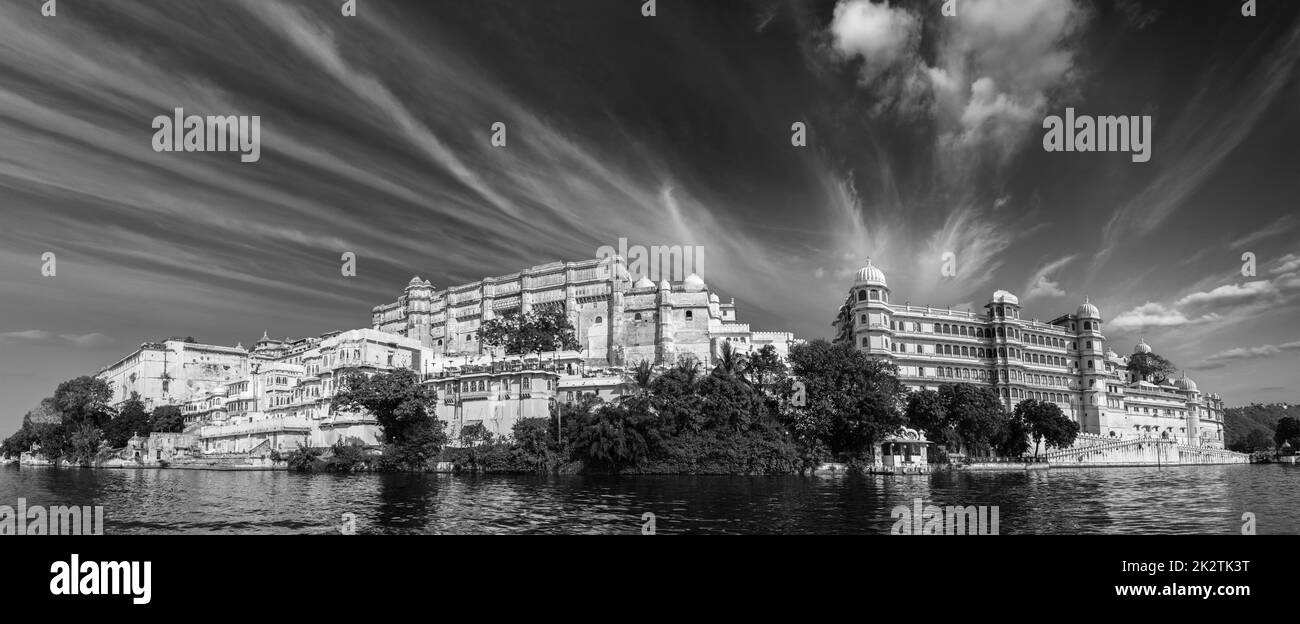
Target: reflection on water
point(1187, 499)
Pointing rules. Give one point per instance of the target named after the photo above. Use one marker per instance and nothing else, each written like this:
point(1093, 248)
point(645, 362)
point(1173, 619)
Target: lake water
point(1169, 500)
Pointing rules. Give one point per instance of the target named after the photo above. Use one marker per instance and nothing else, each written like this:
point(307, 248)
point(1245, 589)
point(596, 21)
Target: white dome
point(644, 282)
point(1142, 347)
point(693, 283)
point(871, 276)
point(664, 285)
point(1088, 311)
point(713, 298)
point(1186, 383)
point(415, 281)
point(1003, 296)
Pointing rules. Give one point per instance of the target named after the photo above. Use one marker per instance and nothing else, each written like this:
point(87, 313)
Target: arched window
point(875, 295)
point(1002, 333)
point(938, 329)
point(636, 317)
point(965, 352)
point(864, 342)
point(1002, 352)
point(862, 295)
point(600, 320)
point(689, 315)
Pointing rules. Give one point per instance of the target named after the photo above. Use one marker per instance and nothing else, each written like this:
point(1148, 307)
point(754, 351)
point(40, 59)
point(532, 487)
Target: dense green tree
point(730, 361)
point(1151, 367)
point(852, 401)
point(765, 370)
point(1287, 432)
point(404, 408)
point(83, 400)
point(612, 439)
point(83, 444)
point(977, 416)
point(927, 413)
point(131, 418)
point(1046, 423)
point(536, 332)
point(167, 419)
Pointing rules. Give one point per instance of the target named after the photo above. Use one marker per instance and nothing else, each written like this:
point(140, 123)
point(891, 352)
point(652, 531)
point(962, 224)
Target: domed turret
point(664, 285)
point(415, 281)
point(1004, 296)
point(693, 283)
point(644, 282)
point(1087, 310)
point(1185, 383)
point(1142, 347)
point(713, 298)
point(869, 275)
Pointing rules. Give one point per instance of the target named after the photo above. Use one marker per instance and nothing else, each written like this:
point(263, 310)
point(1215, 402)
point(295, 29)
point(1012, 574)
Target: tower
point(1004, 331)
point(1092, 368)
point(872, 316)
point(1193, 408)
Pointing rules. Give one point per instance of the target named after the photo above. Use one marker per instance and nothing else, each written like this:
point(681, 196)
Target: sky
point(923, 137)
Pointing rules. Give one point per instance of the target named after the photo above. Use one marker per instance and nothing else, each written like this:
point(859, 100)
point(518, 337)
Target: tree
point(638, 381)
point(404, 408)
point(131, 419)
point(83, 444)
point(535, 332)
point(166, 419)
point(765, 370)
point(83, 400)
point(1046, 423)
point(1287, 431)
point(475, 434)
point(852, 400)
point(610, 439)
point(927, 413)
point(1151, 367)
point(976, 414)
point(730, 362)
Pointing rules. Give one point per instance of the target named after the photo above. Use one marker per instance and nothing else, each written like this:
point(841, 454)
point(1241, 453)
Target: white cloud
point(884, 37)
point(1151, 314)
point(1040, 285)
point(1221, 359)
point(1232, 294)
point(987, 86)
point(42, 337)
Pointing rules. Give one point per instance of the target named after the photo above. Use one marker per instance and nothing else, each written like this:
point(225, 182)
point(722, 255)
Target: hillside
point(1251, 427)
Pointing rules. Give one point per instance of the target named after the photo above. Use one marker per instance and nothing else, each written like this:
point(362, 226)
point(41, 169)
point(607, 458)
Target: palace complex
point(1065, 361)
point(276, 394)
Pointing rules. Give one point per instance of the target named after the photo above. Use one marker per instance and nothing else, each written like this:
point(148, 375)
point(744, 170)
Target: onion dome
point(1142, 347)
point(693, 283)
point(869, 275)
point(1186, 383)
point(664, 285)
point(1088, 311)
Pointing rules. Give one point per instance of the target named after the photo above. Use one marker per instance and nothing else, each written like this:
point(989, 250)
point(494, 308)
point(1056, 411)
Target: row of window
point(481, 385)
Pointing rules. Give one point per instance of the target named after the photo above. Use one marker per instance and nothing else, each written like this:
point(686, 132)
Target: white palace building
point(1064, 361)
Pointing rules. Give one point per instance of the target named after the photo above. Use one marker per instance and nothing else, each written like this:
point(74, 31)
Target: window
point(600, 320)
point(864, 342)
point(689, 316)
point(636, 317)
point(875, 295)
point(864, 319)
point(862, 295)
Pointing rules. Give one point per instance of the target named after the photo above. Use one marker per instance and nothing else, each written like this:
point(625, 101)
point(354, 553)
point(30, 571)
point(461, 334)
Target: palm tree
point(729, 362)
point(638, 380)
